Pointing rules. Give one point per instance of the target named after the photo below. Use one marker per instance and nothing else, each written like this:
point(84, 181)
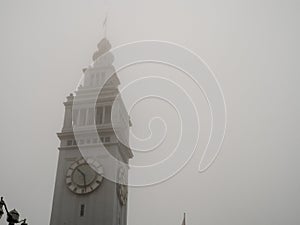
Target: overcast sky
point(252, 47)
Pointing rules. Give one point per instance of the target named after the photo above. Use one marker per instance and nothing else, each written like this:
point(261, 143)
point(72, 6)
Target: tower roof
point(103, 47)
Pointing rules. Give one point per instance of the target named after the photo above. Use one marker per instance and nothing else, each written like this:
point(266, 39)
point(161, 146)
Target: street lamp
point(1, 207)
point(12, 216)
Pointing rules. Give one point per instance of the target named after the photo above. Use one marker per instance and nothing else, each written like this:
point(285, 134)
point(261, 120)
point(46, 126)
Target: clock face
point(84, 176)
point(122, 189)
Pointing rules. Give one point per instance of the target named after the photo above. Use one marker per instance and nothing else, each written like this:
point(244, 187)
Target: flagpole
point(106, 5)
point(105, 25)
point(183, 222)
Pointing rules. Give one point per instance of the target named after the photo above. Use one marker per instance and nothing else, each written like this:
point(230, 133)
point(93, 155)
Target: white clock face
point(84, 176)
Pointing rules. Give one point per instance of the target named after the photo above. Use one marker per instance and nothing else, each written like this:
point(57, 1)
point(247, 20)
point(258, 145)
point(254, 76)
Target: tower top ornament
point(103, 47)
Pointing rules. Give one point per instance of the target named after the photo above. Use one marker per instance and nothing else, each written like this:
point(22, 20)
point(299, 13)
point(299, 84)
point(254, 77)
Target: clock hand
point(83, 174)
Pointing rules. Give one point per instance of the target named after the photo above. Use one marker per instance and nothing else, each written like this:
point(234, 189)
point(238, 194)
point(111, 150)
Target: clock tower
point(88, 190)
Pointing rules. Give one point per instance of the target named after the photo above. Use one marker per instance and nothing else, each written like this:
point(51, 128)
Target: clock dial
point(84, 176)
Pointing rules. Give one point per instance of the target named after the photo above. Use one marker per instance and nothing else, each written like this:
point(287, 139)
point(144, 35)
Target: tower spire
point(105, 25)
point(103, 47)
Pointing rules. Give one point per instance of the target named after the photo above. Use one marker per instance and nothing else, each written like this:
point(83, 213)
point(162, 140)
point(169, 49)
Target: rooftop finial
point(104, 45)
point(105, 25)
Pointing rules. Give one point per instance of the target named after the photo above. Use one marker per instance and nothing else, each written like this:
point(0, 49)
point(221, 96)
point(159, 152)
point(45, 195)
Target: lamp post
point(12, 216)
point(1, 207)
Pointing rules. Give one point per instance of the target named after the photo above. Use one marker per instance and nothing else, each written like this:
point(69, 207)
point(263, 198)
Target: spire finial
point(105, 25)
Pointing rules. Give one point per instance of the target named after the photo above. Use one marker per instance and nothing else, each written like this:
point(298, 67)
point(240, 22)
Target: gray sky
point(253, 48)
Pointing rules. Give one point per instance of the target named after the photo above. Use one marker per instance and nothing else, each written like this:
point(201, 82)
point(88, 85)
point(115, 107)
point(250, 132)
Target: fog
point(251, 46)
